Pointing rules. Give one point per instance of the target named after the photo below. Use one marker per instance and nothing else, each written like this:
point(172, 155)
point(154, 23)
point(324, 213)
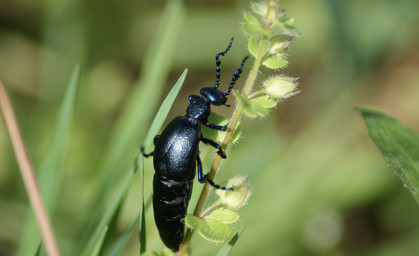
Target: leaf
point(150, 253)
point(253, 45)
point(224, 215)
point(111, 213)
point(164, 110)
point(50, 169)
point(110, 216)
point(138, 110)
point(398, 144)
point(273, 62)
point(99, 243)
point(237, 198)
point(229, 246)
point(257, 106)
point(210, 229)
point(216, 135)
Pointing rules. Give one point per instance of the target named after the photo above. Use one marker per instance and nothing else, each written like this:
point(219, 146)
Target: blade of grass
point(50, 169)
point(27, 172)
point(110, 214)
point(143, 237)
point(110, 218)
point(398, 144)
point(99, 243)
point(136, 114)
point(132, 125)
point(122, 240)
point(230, 244)
point(164, 110)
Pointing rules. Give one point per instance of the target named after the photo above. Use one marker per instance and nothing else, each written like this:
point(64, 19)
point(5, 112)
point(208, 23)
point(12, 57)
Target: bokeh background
point(320, 186)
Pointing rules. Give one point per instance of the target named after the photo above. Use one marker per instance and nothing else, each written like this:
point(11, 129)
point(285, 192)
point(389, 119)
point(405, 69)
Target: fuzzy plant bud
point(280, 87)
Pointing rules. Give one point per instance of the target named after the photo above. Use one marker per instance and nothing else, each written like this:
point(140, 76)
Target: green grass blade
point(164, 110)
point(50, 169)
point(143, 237)
point(99, 243)
point(110, 217)
point(123, 238)
point(230, 244)
point(38, 249)
point(138, 111)
point(398, 144)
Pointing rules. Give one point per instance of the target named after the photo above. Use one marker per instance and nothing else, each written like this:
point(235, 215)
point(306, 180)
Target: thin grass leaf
point(230, 244)
point(110, 220)
point(164, 110)
point(50, 170)
point(398, 144)
point(143, 237)
point(109, 217)
point(137, 113)
point(99, 243)
point(122, 240)
point(135, 116)
point(38, 249)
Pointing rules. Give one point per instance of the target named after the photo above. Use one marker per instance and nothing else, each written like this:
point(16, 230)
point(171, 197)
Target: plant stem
point(27, 172)
point(250, 82)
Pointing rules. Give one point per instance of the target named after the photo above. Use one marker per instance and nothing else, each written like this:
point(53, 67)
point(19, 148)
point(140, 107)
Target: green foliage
point(50, 170)
point(310, 161)
point(230, 244)
point(270, 32)
point(216, 226)
point(398, 144)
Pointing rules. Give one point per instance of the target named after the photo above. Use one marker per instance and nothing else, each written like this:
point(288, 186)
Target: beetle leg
point(217, 127)
point(203, 178)
point(152, 152)
point(215, 145)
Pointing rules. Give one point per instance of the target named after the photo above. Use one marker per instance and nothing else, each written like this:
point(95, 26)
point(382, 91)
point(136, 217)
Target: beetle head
point(214, 96)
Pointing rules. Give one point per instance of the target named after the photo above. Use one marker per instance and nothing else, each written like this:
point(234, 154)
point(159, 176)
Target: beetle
point(176, 157)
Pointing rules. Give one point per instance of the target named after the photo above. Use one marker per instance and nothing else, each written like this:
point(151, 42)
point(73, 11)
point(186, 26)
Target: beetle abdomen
point(170, 202)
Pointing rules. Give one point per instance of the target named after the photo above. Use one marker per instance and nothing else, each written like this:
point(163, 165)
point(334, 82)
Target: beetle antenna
point(236, 75)
point(218, 63)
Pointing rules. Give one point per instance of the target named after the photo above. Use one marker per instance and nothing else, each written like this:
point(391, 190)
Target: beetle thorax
point(198, 109)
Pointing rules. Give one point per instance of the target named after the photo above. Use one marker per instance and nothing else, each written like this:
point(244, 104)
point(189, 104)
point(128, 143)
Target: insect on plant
point(176, 157)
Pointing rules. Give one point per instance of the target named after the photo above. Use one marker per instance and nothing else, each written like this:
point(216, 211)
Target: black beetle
point(176, 158)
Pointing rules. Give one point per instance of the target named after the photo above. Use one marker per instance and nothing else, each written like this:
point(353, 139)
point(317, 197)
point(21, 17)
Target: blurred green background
point(320, 186)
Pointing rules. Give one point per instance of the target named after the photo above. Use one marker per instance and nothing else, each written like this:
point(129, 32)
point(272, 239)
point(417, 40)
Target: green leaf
point(229, 246)
point(150, 253)
point(142, 238)
point(398, 144)
point(138, 110)
point(210, 229)
point(216, 135)
point(99, 242)
point(234, 199)
point(50, 169)
point(224, 215)
point(164, 110)
point(253, 45)
point(273, 62)
point(167, 252)
point(265, 102)
point(251, 19)
point(110, 216)
point(258, 106)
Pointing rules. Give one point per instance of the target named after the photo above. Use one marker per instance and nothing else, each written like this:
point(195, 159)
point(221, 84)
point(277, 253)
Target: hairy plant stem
point(250, 82)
